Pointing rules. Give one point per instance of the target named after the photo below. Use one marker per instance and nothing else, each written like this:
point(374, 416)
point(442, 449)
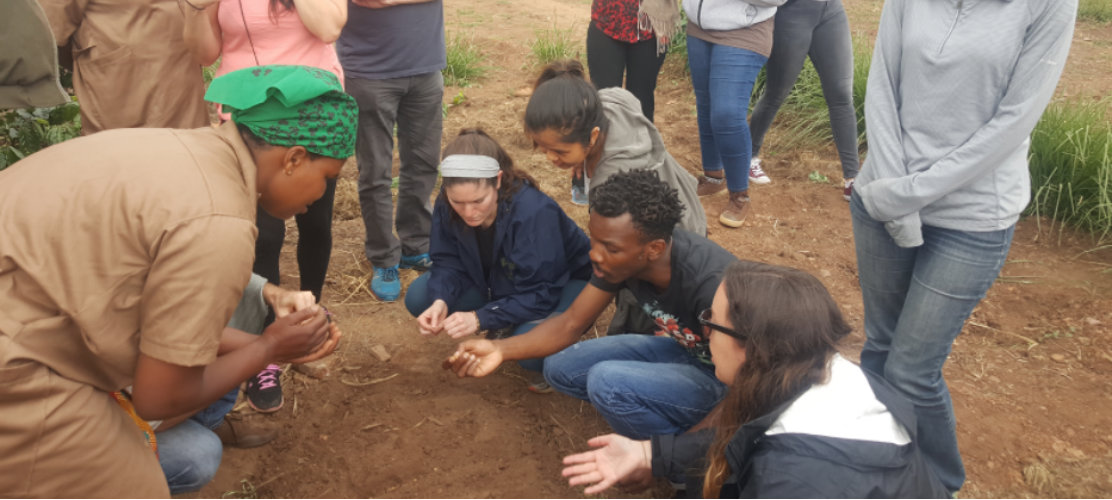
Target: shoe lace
point(268, 378)
point(390, 274)
point(755, 170)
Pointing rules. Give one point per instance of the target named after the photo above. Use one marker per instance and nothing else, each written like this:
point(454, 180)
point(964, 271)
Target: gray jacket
point(633, 142)
point(954, 91)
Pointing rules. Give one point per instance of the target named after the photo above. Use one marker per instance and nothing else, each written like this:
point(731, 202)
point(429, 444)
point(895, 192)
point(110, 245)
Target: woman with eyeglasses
point(799, 420)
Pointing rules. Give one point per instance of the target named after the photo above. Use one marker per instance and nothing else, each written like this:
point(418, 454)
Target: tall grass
point(677, 50)
point(464, 61)
point(553, 44)
point(1071, 166)
point(803, 122)
point(1095, 10)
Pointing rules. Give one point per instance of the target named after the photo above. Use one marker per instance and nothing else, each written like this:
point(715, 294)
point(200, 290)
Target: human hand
point(474, 358)
point(326, 348)
point(614, 460)
point(577, 171)
point(298, 334)
point(431, 322)
point(285, 301)
point(462, 324)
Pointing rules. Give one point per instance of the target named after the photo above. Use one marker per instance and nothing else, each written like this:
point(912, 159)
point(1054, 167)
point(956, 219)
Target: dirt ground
point(1029, 375)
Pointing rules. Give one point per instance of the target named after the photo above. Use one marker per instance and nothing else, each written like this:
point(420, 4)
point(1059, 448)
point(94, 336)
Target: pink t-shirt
point(283, 39)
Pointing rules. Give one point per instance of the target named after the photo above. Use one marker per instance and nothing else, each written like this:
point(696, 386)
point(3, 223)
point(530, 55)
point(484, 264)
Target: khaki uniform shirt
point(125, 242)
point(131, 67)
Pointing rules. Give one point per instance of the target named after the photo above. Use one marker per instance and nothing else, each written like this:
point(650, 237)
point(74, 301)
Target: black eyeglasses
point(704, 319)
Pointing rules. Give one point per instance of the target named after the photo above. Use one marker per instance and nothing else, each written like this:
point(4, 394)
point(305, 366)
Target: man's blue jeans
point(190, 452)
point(916, 302)
point(722, 77)
point(641, 384)
point(417, 299)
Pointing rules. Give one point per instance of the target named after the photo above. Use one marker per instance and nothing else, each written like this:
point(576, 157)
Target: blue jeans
point(641, 384)
point(417, 299)
point(916, 301)
point(723, 77)
point(190, 452)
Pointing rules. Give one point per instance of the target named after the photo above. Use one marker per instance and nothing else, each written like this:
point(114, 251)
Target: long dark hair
point(564, 101)
point(791, 327)
point(474, 141)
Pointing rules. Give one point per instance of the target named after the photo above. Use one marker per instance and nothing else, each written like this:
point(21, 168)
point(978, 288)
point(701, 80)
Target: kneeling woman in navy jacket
point(504, 254)
point(799, 420)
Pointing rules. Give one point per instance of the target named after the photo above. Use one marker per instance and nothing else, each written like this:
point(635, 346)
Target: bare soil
point(1029, 374)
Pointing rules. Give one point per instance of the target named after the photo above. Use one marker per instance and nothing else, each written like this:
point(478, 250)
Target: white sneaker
point(756, 174)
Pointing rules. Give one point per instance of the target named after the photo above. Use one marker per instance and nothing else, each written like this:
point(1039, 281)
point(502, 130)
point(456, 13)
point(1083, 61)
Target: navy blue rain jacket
point(537, 250)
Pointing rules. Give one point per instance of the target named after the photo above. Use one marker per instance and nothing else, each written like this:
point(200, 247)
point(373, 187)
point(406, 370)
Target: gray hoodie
point(721, 15)
point(633, 142)
point(954, 91)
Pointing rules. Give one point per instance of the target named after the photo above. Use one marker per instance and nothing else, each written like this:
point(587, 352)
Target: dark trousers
point(609, 60)
point(411, 103)
point(818, 29)
point(314, 243)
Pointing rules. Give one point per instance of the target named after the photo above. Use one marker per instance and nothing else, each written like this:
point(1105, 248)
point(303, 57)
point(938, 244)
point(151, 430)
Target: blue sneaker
point(420, 262)
point(385, 285)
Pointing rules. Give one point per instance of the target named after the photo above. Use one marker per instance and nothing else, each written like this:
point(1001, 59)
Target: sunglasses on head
point(708, 325)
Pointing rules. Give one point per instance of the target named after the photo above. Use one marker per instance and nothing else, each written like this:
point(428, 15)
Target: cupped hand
point(431, 322)
point(474, 358)
point(298, 334)
point(288, 301)
point(615, 460)
point(325, 349)
point(461, 324)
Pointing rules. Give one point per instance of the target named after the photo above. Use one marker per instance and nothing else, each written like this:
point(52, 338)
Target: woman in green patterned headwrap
point(123, 256)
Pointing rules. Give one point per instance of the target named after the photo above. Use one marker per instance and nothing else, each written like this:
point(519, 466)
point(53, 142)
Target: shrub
point(553, 44)
point(25, 131)
point(464, 62)
point(1071, 166)
point(1095, 10)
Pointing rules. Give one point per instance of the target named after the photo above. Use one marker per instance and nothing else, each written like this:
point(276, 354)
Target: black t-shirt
point(484, 236)
point(697, 266)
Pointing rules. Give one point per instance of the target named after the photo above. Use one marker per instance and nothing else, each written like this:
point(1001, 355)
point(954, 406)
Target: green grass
point(1071, 166)
point(464, 61)
point(1095, 10)
point(677, 50)
point(554, 44)
point(803, 122)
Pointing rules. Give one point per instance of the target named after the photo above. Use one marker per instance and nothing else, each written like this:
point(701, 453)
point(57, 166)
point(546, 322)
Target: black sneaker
point(264, 391)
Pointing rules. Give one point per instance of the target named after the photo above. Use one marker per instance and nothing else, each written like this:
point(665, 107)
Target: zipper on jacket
point(699, 14)
point(953, 25)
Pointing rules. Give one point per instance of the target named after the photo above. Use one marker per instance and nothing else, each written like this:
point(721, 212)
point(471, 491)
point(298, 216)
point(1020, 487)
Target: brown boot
point(737, 209)
point(242, 434)
point(710, 185)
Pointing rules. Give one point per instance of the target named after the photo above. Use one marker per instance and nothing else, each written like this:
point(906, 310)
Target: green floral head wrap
point(290, 106)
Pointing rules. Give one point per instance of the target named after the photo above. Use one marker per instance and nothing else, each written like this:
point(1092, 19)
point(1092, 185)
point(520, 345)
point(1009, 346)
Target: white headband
point(470, 166)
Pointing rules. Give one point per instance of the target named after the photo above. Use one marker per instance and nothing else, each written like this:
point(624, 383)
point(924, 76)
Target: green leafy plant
point(1071, 166)
point(818, 177)
point(553, 44)
point(1095, 10)
point(25, 131)
point(464, 62)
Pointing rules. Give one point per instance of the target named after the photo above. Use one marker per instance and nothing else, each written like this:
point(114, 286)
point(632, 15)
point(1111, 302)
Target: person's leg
point(698, 59)
point(953, 271)
point(268, 246)
point(567, 370)
point(730, 83)
point(567, 296)
point(420, 123)
point(314, 241)
point(642, 63)
point(605, 59)
point(189, 454)
point(374, 152)
point(790, 41)
point(640, 399)
point(884, 273)
point(832, 54)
